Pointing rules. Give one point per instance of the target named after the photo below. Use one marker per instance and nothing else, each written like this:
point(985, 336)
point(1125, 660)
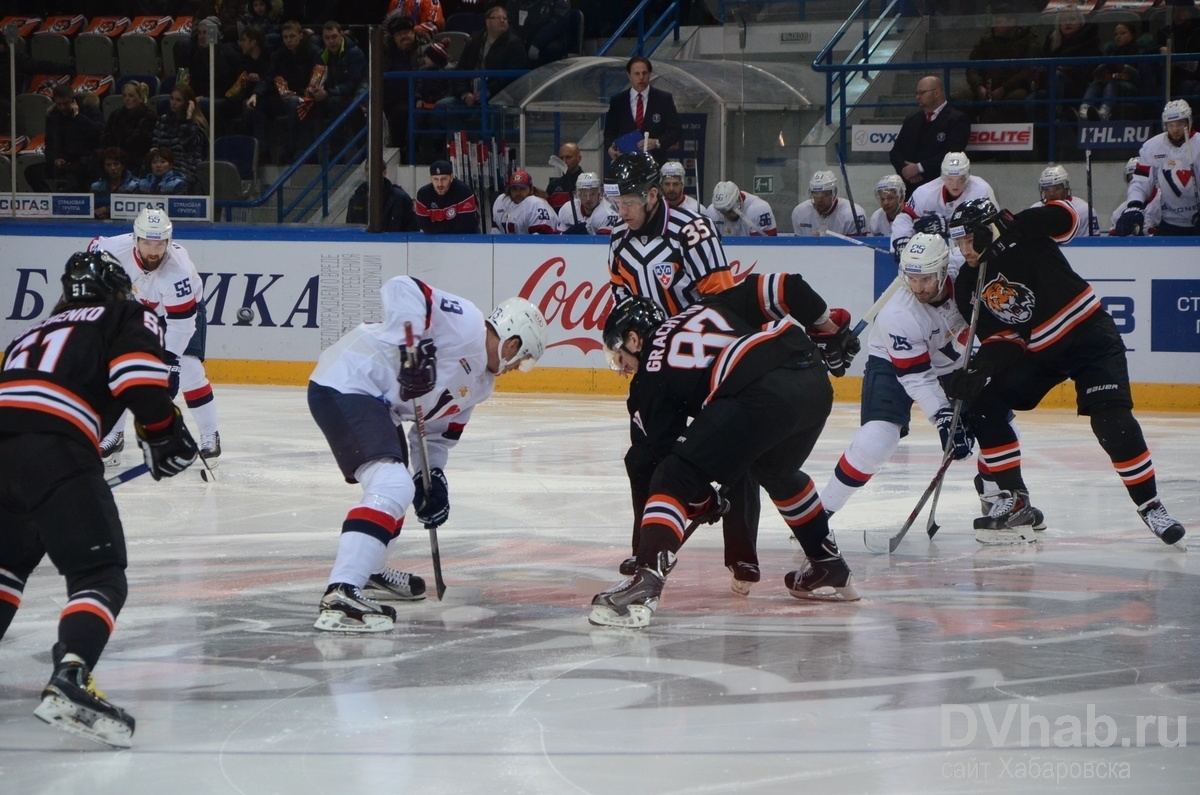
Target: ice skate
point(632, 602)
point(1010, 521)
point(827, 580)
point(71, 702)
point(989, 494)
point(111, 447)
point(345, 609)
point(629, 566)
point(394, 584)
point(744, 576)
point(210, 447)
point(1161, 524)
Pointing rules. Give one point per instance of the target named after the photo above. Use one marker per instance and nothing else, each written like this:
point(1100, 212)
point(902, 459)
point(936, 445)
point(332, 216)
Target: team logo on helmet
point(665, 273)
point(1010, 302)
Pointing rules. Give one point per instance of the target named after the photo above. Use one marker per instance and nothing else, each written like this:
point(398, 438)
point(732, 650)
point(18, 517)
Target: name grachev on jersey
point(705, 346)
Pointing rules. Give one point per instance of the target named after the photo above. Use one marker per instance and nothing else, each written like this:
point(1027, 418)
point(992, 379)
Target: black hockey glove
point(931, 224)
point(963, 441)
point(169, 450)
point(965, 385)
point(579, 228)
point(435, 510)
point(418, 370)
point(1131, 222)
point(173, 372)
point(839, 348)
point(711, 509)
point(995, 239)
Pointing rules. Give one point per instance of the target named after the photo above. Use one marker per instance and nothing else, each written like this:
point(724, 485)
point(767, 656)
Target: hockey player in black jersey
point(758, 394)
point(65, 381)
point(1040, 324)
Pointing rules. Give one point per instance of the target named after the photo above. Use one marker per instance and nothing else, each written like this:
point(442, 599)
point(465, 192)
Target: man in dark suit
point(645, 109)
point(927, 135)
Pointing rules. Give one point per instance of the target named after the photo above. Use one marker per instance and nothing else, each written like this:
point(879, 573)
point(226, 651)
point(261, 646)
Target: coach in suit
point(649, 110)
point(927, 135)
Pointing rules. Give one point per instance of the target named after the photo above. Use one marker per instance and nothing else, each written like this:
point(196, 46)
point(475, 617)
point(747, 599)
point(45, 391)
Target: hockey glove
point(931, 224)
point(580, 228)
point(995, 239)
point(168, 450)
point(962, 442)
point(173, 372)
point(711, 509)
point(839, 348)
point(965, 385)
point(418, 370)
point(433, 510)
point(1131, 222)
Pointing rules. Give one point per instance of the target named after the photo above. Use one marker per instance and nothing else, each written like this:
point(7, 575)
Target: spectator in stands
point(163, 178)
point(73, 127)
point(421, 12)
point(184, 130)
point(447, 205)
point(400, 54)
point(1115, 80)
point(430, 91)
point(559, 189)
point(130, 128)
point(522, 209)
point(264, 15)
point(290, 71)
point(192, 56)
point(999, 90)
point(1183, 37)
point(398, 214)
point(1072, 37)
point(673, 176)
point(544, 27)
point(345, 77)
point(117, 179)
point(225, 13)
point(928, 135)
point(255, 67)
point(644, 110)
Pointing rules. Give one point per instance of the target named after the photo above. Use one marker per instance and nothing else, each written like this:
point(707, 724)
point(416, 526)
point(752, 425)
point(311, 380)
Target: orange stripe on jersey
point(1070, 233)
point(729, 358)
point(89, 607)
point(12, 597)
point(138, 356)
point(384, 520)
point(1080, 309)
point(1136, 480)
point(715, 282)
point(1133, 462)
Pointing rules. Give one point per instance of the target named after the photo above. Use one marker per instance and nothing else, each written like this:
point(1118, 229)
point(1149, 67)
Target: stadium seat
point(31, 114)
point(52, 48)
point(242, 151)
point(138, 54)
point(94, 54)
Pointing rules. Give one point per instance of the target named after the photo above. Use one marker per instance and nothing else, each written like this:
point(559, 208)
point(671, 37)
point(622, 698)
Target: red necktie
point(639, 112)
point(928, 118)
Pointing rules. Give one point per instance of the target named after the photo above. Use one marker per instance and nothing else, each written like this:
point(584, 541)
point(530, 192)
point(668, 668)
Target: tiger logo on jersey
point(1010, 302)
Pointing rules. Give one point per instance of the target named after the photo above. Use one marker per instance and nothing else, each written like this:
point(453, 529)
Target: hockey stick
point(1091, 227)
point(426, 478)
point(849, 193)
point(207, 474)
point(862, 243)
point(127, 475)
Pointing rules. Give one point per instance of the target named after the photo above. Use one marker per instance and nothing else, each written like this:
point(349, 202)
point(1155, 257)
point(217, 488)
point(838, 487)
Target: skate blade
point(384, 595)
point(1015, 536)
point(337, 621)
point(113, 461)
point(741, 587)
point(1181, 545)
point(604, 616)
point(82, 722)
point(829, 593)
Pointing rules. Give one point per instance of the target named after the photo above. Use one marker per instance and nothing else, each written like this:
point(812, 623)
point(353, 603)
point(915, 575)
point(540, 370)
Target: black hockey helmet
point(94, 276)
point(633, 173)
point(982, 219)
point(633, 314)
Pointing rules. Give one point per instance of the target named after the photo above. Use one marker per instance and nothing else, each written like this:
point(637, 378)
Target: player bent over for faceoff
point(64, 379)
point(1041, 324)
point(759, 397)
point(364, 387)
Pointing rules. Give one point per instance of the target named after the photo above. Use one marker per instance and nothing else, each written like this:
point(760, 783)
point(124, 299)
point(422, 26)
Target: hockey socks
point(1121, 437)
point(873, 444)
point(805, 514)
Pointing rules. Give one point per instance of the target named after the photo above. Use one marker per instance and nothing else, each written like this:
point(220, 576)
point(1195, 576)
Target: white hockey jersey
point(842, 218)
point(173, 290)
point(757, 219)
point(1152, 213)
point(366, 361)
point(533, 216)
point(689, 203)
point(879, 224)
point(1083, 212)
point(602, 221)
point(933, 198)
point(922, 341)
point(1173, 170)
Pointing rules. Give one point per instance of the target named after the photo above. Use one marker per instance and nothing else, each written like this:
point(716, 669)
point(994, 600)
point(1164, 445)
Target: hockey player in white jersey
point(736, 213)
point(955, 186)
point(519, 211)
point(824, 212)
point(1152, 212)
point(890, 193)
point(1169, 162)
point(673, 175)
point(590, 212)
point(1054, 183)
point(165, 280)
point(362, 390)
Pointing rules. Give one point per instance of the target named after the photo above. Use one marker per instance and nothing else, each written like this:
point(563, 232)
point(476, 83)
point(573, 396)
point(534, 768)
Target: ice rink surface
point(1070, 665)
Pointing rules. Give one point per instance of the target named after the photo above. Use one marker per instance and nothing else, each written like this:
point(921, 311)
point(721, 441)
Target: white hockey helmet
point(892, 183)
point(152, 224)
point(1177, 110)
point(673, 168)
point(726, 198)
point(925, 254)
point(1052, 176)
point(822, 182)
point(1130, 167)
point(956, 164)
point(516, 317)
point(588, 179)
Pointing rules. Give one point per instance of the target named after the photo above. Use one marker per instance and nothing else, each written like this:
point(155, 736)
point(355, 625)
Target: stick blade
point(878, 542)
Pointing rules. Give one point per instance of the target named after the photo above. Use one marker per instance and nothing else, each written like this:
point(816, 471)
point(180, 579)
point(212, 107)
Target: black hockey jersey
point(674, 259)
point(1032, 299)
point(76, 371)
point(717, 347)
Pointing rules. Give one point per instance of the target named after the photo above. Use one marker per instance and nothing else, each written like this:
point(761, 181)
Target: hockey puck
point(245, 314)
